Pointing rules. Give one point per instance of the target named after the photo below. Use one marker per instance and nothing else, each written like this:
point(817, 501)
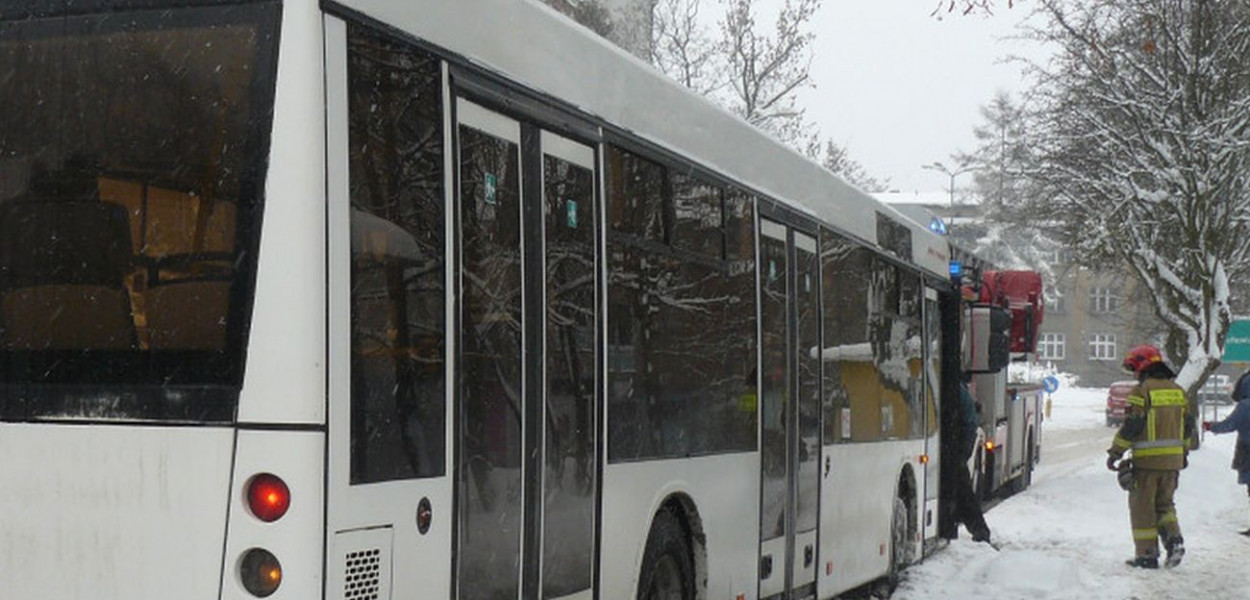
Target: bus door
point(933, 392)
point(389, 489)
point(525, 434)
point(789, 411)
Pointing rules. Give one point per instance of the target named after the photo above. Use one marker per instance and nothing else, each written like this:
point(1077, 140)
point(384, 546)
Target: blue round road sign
point(1050, 384)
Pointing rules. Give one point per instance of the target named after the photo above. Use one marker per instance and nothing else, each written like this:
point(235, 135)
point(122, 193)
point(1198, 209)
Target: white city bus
point(369, 299)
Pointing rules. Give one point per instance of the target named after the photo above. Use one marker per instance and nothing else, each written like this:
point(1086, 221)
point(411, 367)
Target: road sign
point(1050, 384)
point(1237, 343)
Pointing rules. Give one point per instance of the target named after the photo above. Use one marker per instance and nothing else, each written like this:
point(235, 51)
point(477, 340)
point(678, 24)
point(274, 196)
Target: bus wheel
point(898, 541)
point(667, 569)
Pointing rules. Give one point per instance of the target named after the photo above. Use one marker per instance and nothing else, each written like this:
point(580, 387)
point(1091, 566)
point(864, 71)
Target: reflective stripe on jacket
point(1156, 426)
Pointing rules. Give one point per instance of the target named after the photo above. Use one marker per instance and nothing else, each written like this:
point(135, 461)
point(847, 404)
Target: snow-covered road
point(1066, 538)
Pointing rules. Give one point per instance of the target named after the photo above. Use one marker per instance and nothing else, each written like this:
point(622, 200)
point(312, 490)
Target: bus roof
point(536, 47)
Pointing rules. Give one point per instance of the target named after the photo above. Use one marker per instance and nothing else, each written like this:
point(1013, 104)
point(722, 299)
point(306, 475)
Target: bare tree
point(1013, 232)
point(838, 160)
point(766, 71)
point(681, 47)
point(1143, 138)
point(968, 7)
point(1002, 155)
point(756, 75)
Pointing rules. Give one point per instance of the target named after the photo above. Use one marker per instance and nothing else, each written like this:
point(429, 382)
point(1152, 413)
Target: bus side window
point(398, 260)
point(851, 404)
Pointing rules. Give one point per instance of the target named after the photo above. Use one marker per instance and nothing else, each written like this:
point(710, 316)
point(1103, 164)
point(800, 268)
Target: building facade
point(1092, 319)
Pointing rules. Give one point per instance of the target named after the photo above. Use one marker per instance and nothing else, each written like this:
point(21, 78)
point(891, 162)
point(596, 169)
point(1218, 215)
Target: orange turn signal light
point(260, 572)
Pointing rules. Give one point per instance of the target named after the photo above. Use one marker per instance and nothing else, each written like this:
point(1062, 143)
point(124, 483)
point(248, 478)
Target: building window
point(1055, 257)
point(1102, 346)
point(1051, 346)
point(1058, 305)
point(1102, 300)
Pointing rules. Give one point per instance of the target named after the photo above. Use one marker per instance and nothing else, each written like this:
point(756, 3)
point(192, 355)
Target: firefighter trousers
point(1152, 511)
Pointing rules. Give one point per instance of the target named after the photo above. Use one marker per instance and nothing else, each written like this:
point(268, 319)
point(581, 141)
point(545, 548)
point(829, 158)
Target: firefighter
point(1157, 428)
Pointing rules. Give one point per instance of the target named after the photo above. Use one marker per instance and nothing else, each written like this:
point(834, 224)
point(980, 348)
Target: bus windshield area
point(133, 146)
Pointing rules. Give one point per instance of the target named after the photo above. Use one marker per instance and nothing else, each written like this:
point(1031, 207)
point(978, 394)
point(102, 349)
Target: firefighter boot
point(1143, 562)
point(1176, 551)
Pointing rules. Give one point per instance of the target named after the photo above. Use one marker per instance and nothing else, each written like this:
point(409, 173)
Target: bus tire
point(667, 565)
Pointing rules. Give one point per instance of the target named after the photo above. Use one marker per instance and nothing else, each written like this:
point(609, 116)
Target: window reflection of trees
point(398, 260)
point(681, 316)
point(491, 276)
point(572, 388)
point(808, 399)
point(775, 387)
point(570, 320)
point(489, 479)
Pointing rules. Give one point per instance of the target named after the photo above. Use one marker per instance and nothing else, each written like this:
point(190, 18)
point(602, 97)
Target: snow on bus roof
point(537, 47)
point(917, 198)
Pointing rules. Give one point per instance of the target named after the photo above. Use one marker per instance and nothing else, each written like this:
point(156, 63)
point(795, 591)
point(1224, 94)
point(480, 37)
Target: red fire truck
point(1002, 313)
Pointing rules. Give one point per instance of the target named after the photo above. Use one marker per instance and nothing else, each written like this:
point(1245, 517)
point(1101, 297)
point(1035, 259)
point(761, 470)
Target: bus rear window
point(132, 154)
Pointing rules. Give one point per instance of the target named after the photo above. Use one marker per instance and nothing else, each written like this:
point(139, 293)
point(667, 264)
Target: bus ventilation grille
point(362, 580)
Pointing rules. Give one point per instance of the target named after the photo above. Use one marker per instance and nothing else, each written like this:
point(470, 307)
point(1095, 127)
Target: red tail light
point(268, 497)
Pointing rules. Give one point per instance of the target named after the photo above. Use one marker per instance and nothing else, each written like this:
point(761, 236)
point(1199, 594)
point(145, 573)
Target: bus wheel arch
point(674, 558)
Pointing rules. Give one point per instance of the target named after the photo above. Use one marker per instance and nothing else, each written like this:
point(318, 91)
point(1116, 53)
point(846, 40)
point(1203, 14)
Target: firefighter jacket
point(1157, 426)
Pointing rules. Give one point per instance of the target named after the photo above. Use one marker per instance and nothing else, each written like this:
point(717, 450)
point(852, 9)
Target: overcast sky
point(901, 89)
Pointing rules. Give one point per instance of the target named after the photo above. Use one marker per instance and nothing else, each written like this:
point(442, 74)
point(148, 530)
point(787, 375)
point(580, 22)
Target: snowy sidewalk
point(1067, 537)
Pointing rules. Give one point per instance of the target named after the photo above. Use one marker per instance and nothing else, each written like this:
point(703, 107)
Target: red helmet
point(1141, 357)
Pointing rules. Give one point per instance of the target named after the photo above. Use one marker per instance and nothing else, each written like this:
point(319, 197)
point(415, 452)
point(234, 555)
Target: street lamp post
point(952, 173)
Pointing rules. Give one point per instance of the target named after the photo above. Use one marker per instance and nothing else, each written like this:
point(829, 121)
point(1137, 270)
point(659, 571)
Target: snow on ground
point(1067, 537)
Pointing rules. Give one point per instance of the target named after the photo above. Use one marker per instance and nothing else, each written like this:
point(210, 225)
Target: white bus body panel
point(113, 512)
point(724, 490)
point(285, 375)
point(856, 507)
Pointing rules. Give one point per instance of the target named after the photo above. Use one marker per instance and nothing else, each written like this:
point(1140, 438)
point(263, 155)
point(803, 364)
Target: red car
point(1117, 399)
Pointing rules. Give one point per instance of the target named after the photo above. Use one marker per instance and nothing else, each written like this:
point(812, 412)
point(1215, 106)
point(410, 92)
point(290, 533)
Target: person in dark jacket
point(1239, 421)
point(967, 506)
point(1157, 428)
